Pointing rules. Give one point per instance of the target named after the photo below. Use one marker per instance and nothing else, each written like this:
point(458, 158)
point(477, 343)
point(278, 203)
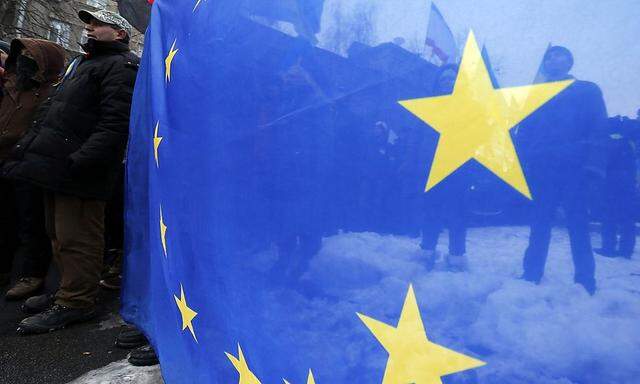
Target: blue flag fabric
point(304, 214)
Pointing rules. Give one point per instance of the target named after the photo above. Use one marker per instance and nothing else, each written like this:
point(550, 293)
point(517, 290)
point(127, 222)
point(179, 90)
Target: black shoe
point(589, 286)
point(130, 338)
point(37, 304)
point(111, 281)
point(605, 252)
point(143, 356)
point(56, 317)
point(530, 279)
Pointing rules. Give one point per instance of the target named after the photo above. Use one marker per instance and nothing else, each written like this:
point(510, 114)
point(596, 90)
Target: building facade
point(55, 20)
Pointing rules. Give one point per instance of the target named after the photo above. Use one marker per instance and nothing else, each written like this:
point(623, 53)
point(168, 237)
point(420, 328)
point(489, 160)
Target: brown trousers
point(76, 229)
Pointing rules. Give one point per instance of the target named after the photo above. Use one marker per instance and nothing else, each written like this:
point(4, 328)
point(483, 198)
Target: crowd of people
point(63, 133)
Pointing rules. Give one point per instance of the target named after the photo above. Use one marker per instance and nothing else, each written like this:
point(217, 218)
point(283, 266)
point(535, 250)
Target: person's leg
point(8, 235)
point(78, 243)
point(535, 256)
point(79, 240)
point(35, 245)
point(627, 227)
point(608, 234)
point(575, 205)
point(455, 217)
point(114, 217)
point(432, 226)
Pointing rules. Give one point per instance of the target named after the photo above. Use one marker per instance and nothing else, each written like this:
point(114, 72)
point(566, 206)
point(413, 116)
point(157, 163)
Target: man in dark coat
point(558, 144)
point(33, 66)
point(74, 152)
point(619, 190)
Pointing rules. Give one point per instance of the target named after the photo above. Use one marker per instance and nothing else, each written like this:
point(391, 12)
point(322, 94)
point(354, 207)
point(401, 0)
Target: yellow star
point(156, 143)
point(169, 60)
point(412, 357)
point(246, 376)
point(310, 379)
point(163, 233)
point(187, 313)
point(474, 121)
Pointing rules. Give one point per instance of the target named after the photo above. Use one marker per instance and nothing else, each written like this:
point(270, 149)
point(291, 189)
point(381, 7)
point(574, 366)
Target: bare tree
point(350, 25)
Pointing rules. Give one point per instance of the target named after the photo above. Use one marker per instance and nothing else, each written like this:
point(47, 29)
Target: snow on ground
point(553, 333)
point(121, 372)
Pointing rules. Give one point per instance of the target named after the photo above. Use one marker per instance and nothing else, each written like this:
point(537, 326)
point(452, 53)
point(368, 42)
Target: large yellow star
point(474, 121)
point(156, 144)
point(169, 60)
point(163, 233)
point(246, 376)
point(187, 313)
point(412, 357)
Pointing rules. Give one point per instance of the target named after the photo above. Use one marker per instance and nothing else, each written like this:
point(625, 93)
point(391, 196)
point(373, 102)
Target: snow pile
point(549, 334)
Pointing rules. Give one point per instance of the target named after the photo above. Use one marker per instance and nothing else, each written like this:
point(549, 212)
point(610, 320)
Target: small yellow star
point(169, 60)
point(474, 121)
point(246, 376)
point(310, 379)
point(163, 233)
point(156, 144)
point(187, 313)
point(412, 357)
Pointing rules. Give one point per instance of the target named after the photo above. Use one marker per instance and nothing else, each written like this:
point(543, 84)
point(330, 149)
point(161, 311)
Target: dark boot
point(25, 287)
point(143, 356)
point(130, 338)
point(37, 304)
point(56, 317)
point(589, 284)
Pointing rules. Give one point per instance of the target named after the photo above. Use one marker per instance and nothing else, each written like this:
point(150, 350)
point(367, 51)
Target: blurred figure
point(114, 236)
point(619, 194)
point(558, 143)
point(377, 181)
point(33, 66)
point(444, 206)
point(74, 152)
point(299, 171)
point(4, 53)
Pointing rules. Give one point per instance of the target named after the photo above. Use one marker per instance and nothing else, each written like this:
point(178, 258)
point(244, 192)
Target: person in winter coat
point(74, 152)
point(559, 147)
point(619, 191)
point(439, 209)
point(33, 66)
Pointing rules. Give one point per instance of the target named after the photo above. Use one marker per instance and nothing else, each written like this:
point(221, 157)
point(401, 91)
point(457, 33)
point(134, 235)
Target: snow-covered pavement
point(121, 372)
point(553, 333)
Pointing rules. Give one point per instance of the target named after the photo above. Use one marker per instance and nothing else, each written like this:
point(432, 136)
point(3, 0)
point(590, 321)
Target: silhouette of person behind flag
point(558, 143)
point(619, 191)
point(445, 205)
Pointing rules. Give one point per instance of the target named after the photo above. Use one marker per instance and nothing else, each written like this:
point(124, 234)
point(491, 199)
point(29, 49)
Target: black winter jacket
point(77, 140)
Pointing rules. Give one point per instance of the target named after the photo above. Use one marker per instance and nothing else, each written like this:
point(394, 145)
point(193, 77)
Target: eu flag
point(312, 199)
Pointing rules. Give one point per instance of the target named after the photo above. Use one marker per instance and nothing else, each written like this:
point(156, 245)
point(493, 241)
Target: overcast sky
point(603, 36)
